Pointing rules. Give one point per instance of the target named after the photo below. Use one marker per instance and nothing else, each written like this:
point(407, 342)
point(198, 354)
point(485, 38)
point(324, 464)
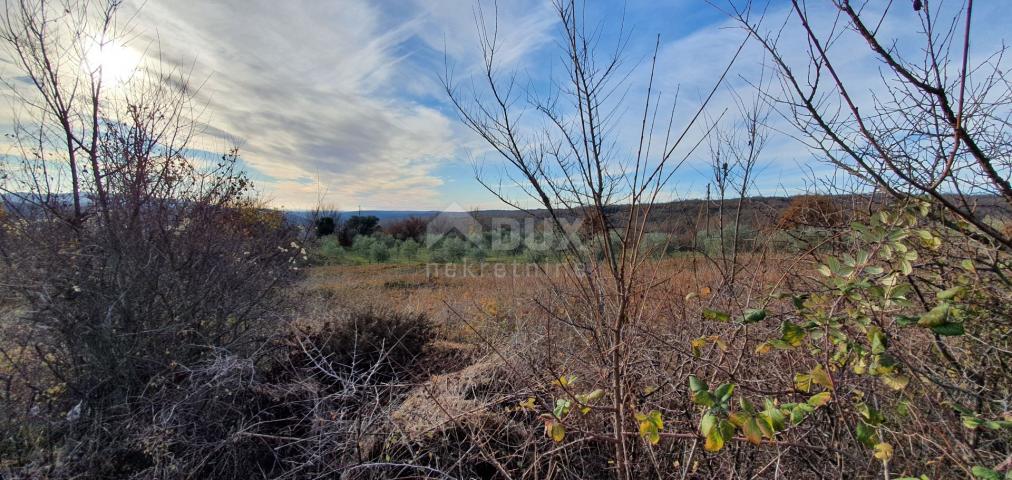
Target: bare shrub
point(412, 228)
point(360, 340)
point(933, 126)
point(812, 211)
point(574, 165)
point(129, 258)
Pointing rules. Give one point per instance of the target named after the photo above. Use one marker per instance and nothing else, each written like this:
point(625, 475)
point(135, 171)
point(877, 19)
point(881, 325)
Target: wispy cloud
point(344, 92)
point(348, 93)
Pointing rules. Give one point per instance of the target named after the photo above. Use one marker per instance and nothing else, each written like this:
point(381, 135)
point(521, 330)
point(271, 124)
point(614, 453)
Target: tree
point(413, 228)
point(358, 225)
point(325, 226)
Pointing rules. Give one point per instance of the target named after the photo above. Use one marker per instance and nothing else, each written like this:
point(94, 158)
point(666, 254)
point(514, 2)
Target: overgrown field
point(158, 320)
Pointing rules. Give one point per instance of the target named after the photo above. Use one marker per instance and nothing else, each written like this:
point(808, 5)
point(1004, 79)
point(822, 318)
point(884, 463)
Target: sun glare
point(117, 62)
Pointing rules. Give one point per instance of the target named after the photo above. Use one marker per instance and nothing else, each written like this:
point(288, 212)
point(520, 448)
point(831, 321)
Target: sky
point(343, 100)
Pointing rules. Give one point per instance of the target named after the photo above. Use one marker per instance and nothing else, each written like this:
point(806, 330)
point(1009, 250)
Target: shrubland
point(159, 321)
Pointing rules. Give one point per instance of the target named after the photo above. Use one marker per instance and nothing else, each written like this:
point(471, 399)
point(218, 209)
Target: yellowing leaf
point(792, 334)
point(566, 380)
point(558, 432)
point(752, 431)
point(821, 377)
point(883, 451)
point(896, 382)
point(697, 344)
point(714, 441)
point(820, 399)
point(650, 425)
point(803, 382)
point(527, 404)
point(949, 294)
point(935, 316)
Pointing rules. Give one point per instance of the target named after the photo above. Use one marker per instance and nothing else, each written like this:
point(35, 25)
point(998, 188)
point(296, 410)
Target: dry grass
point(459, 303)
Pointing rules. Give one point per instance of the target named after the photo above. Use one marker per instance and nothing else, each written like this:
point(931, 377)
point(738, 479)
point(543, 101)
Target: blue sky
point(343, 97)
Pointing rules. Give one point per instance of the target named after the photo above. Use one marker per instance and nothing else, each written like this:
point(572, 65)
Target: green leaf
point(906, 267)
point(746, 406)
point(561, 408)
point(707, 423)
point(704, 398)
point(903, 408)
point(874, 270)
point(866, 434)
point(870, 415)
point(800, 411)
point(723, 392)
point(862, 257)
point(716, 316)
point(835, 267)
point(696, 385)
point(799, 301)
point(753, 316)
point(985, 473)
point(950, 293)
point(905, 321)
point(949, 329)
point(773, 415)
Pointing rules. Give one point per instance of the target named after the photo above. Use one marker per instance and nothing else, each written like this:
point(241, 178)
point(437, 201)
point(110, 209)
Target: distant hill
point(679, 216)
point(385, 216)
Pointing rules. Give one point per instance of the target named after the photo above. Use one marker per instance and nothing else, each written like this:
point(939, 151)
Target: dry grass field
point(461, 297)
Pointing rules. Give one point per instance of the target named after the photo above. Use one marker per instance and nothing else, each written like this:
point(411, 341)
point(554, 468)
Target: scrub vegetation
point(158, 320)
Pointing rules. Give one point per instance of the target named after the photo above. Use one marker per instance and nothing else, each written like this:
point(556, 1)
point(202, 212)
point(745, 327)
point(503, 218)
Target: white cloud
point(339, 91)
